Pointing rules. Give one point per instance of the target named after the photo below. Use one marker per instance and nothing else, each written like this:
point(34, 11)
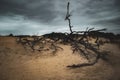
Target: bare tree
point(82, 45)
point(79, 43)
point(68, 15)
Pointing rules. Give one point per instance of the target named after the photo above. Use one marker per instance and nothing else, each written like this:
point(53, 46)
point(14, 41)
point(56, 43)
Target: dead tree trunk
point(68, 17)
point(77, 44)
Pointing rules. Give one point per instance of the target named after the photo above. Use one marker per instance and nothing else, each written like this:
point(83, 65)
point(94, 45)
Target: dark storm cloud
point(46, 10)
point(48, 15)
point(32, 9)
point(103, 11)
point(117, 3)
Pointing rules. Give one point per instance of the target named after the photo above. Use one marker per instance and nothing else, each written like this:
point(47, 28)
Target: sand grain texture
point(18, 64)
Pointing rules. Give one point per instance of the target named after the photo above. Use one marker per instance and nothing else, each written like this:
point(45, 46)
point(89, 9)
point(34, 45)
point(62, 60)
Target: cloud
point(31, 16)
point(18, 25)
point(42, 10)
point(103, 11)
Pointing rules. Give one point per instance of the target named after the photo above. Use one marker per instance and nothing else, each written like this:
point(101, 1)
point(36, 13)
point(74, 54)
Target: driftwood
point(41, 43)
point(68, 17)
point(78, 40)
point(77, 44)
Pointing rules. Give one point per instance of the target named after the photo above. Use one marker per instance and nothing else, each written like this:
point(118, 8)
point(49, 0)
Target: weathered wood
point(68, 15)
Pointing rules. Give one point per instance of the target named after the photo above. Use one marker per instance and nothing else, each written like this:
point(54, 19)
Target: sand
point(16, 63)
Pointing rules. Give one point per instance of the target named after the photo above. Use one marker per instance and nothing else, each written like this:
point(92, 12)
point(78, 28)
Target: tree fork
point(68, 17)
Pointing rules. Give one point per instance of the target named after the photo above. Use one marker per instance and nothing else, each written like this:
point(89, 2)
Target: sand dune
point(16, 63)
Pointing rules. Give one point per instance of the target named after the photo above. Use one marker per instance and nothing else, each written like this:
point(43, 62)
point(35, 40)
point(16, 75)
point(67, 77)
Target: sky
point(32, 17)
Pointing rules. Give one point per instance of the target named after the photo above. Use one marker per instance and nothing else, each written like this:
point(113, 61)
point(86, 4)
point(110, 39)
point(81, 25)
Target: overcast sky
point(45, 16)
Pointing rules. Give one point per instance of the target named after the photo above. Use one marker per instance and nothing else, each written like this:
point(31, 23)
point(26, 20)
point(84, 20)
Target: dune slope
point(16, 63)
